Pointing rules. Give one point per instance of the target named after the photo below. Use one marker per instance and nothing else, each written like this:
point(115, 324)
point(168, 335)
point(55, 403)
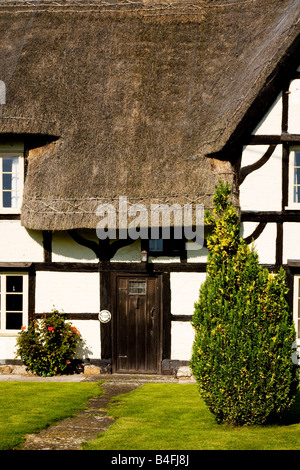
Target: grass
point(174, 417)
point(152, 417)
point(28, 407)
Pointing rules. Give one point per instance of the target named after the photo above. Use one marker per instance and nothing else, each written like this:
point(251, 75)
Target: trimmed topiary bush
point(48, 346)
point(242, 352)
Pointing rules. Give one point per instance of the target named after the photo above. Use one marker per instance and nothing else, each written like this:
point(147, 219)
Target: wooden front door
point(137, 325)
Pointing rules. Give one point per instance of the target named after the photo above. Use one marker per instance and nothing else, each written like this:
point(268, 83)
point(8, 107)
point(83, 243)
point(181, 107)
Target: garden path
point(70, 433)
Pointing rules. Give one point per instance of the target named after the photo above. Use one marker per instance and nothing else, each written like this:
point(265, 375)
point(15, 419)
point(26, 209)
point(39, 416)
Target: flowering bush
point(48, 346)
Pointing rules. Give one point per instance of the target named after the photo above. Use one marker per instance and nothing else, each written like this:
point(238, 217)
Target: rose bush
point(48, 346)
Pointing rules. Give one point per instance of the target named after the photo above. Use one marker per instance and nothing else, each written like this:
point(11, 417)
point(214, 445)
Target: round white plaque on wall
point(104, 316)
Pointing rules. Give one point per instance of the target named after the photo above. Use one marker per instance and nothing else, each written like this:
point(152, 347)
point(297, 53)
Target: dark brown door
point(137, 325)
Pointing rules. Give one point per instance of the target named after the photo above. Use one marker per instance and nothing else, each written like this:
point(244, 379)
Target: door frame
point(113, 291)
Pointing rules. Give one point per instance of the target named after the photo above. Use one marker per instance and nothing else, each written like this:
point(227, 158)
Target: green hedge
point(242, 353)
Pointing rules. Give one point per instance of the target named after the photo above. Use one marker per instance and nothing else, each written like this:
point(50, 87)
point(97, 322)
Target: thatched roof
point(137, 94)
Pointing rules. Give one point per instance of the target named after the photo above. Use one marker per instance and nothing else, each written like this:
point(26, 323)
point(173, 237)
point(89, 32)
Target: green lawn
point(152, 417)
point(27, 407)
point(173, 417)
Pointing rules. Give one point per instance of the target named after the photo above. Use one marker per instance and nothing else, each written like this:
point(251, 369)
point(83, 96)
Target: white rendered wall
point(265, 244)
point(69, 292)
point(294, 108)
point(182, 337)
point(18, 244)
point(7, 347)
point(196, 255)
point(291, 239)
point(184, 293)
point(130, 253)
point(90, 333)
point(261, 190)
point(271, 123)
point(65, 249)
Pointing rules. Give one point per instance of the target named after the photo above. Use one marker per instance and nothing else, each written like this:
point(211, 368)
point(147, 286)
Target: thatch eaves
point(134, 96)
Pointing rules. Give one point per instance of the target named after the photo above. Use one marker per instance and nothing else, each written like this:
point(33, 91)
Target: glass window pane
point(6, 199)
point(297, 158)
point(14, 302)
point(7, 164)
point(136, 287)
point(156, 245)
point(296, 194)
point(297, 176)
point(13, 320)
point(6, 180)
point(14, 284)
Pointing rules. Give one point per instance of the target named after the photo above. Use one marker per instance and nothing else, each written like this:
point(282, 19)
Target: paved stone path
point(70, 433)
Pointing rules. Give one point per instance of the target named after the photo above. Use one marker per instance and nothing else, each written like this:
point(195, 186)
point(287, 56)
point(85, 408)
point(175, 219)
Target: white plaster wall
point(294, 108)
point(195, 255)
point(130, 253)
point(265, 244)
point(291, 241)
point(182, 337)
point(261, 189)
point(185, 292)
point(7, 347)
point(271, 122)
point(68, 292)
point(18, 244)
point(90, 333)
point(65, 249)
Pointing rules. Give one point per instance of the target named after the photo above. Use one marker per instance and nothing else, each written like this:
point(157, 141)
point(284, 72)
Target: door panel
point(137, 325)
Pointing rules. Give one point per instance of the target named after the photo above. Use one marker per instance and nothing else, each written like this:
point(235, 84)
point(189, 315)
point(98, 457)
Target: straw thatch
point(133, 95)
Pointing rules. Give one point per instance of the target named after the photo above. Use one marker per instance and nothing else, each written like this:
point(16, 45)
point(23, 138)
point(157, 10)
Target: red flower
point(23, 327)
point(50, 328)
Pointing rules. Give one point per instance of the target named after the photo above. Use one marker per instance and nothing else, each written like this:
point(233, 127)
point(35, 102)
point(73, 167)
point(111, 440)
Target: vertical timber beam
point(105, 304)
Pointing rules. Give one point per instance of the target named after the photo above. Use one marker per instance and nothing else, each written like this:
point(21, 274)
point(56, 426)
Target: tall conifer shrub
point(242, 352)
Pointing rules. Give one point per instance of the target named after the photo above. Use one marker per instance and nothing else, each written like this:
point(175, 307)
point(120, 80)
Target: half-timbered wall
point(270, 216)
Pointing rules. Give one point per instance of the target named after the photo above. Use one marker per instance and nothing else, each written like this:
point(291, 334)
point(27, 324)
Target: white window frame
point(3, 276)
point(14, 150)
point(291, 203)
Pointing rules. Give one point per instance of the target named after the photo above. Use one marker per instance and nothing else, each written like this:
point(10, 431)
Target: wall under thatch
point(137, 94)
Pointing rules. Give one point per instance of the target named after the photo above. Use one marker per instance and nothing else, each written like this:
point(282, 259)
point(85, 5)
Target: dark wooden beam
point(166, 312)
point(256, 233)
point(273, 139)
point(246, 170)
point(47, 245)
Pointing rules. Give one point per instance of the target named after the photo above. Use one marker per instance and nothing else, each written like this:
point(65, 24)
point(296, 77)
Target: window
point(11, 178)
point(137, 287)
point(13, 301)
point(156, 246)
point(294, 177)
point(165, 247)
